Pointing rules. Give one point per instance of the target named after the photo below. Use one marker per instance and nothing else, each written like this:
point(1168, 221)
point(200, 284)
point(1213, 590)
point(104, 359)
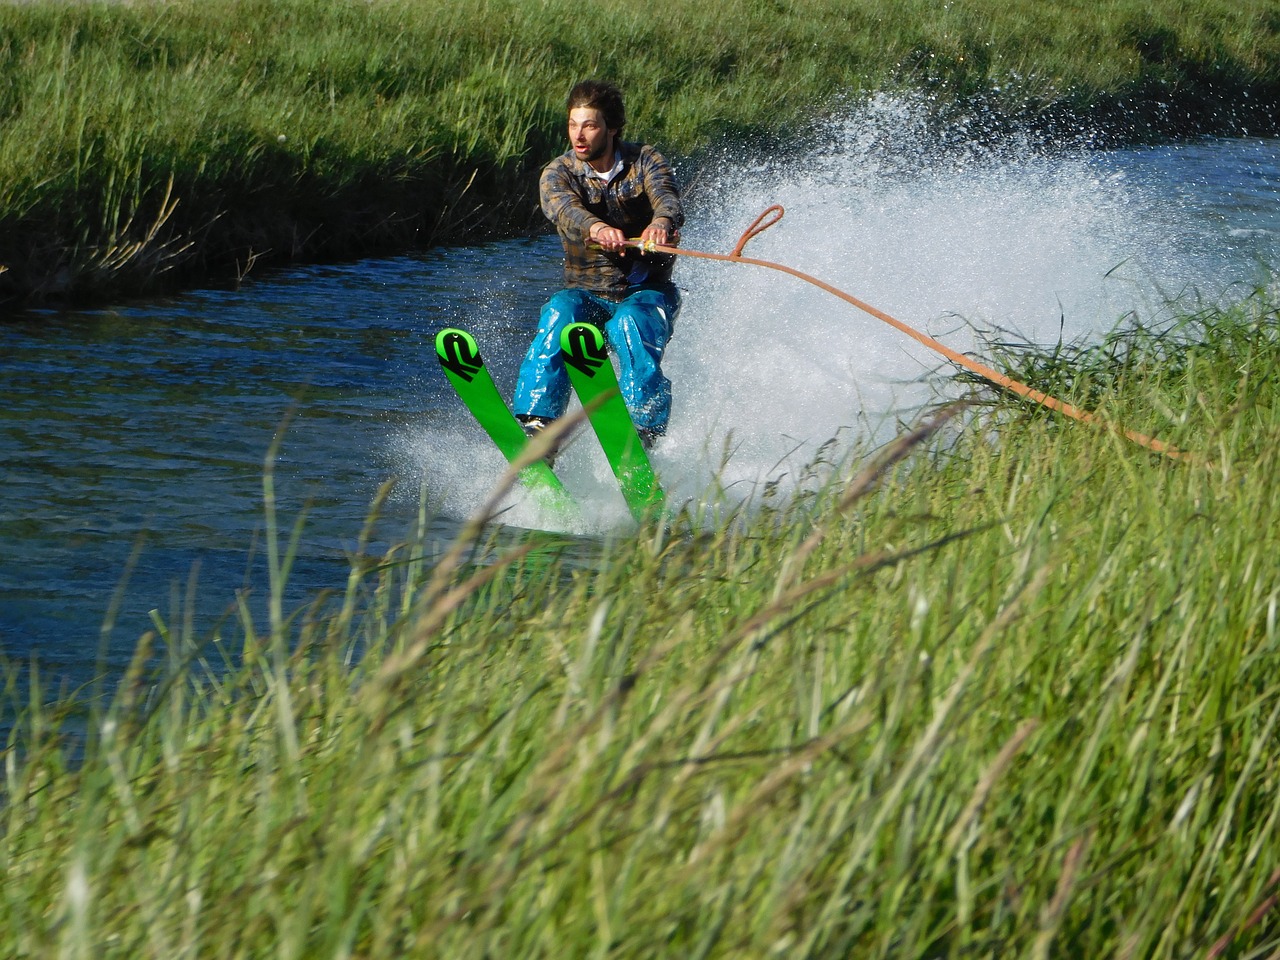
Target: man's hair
point(603, 96)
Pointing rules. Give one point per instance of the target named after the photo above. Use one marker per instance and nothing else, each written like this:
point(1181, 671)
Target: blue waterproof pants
point(637, 329)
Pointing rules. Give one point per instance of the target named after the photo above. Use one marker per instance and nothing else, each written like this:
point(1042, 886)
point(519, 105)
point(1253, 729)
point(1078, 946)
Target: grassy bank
point(988, 692)
point(158, 143)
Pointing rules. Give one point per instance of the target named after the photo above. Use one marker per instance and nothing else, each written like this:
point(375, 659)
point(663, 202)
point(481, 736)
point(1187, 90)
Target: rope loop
point(774, 212)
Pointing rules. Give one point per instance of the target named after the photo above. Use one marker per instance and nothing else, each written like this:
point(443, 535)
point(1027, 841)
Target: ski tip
point(584, 348)
point(454, 340)
point(458, 353)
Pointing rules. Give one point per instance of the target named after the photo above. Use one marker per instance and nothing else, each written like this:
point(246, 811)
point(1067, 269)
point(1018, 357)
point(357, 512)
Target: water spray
point(774, 213)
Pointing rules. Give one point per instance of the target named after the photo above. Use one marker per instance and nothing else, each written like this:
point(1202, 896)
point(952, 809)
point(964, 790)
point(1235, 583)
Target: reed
point(159, 143)
point(1004, 688)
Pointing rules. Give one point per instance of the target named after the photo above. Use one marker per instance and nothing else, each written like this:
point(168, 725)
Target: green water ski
point(459, 355)
point(590, 371)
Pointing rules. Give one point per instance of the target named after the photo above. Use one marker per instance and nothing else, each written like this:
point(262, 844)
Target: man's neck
point(604, 163)
point(608, 175)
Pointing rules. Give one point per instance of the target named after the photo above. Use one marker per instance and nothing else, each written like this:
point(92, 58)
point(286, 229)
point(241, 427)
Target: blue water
point(145, 430)
point(133, 439)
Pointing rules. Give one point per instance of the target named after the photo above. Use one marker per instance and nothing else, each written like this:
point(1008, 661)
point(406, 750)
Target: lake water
point(133, 438)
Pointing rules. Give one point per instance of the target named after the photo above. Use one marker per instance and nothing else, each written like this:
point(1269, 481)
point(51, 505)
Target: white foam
point(949, 241)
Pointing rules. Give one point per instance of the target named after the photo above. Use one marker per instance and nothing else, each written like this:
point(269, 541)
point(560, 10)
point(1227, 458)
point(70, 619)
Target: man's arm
point(664, 195)
point(562, 204)
point(661, 187)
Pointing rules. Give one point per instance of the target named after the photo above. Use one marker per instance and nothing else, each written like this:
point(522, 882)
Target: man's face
point(588, 135)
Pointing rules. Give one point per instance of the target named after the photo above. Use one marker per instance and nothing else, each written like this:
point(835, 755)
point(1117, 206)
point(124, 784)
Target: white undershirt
point(609, 174)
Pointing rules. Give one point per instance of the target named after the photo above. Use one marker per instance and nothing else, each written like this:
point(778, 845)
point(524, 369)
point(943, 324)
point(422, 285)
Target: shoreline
point(389, 234)
point(148, 147)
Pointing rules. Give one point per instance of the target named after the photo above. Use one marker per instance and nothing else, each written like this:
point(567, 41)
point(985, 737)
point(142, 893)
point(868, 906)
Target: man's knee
point(650, 323)
point(565, 307)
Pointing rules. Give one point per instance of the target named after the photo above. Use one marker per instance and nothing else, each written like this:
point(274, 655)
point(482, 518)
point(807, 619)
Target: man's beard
point(597, 153)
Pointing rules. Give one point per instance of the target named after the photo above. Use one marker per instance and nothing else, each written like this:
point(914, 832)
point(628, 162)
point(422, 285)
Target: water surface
point(141, 431)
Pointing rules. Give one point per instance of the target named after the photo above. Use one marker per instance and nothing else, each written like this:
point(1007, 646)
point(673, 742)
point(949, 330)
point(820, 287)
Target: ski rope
point(773, 214)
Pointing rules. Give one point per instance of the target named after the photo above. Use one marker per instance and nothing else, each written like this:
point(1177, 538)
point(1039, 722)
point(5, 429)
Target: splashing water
point(955, 239)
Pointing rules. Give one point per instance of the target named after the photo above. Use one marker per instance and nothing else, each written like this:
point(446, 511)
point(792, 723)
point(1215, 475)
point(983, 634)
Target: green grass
point(148, 143)
point(1003, 688)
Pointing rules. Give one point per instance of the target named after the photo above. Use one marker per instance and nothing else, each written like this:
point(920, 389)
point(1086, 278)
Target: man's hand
point(611, 238)
point(659, 234)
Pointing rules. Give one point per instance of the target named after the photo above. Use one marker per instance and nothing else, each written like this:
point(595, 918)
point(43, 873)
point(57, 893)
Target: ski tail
point(586, 359)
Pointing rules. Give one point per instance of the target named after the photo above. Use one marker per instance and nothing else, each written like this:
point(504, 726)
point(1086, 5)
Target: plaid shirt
point(574, 200)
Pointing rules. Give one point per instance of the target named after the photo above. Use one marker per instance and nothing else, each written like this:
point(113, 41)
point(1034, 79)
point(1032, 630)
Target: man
point(600, 193)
